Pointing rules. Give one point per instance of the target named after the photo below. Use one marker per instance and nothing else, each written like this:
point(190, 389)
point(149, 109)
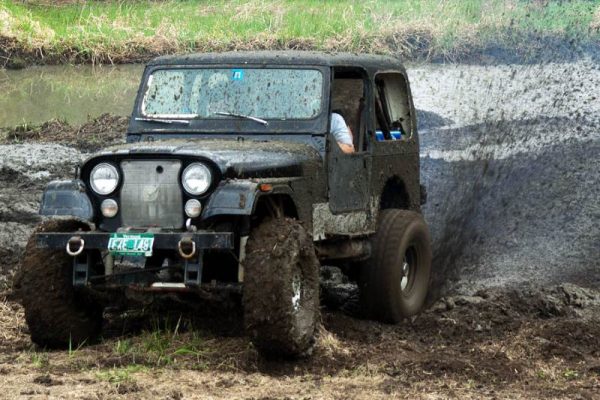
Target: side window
point(347, 100)
point(392, 107)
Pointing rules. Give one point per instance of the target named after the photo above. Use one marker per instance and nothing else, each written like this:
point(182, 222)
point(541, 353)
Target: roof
point(283, 57)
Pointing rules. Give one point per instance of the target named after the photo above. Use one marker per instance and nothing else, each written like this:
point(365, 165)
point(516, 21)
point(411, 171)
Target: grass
point(116, 31)
point(39, 360)
point(163, 346)
point(120, 375)
point(74, 350)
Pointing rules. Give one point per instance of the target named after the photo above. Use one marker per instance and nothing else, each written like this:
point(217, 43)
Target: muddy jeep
point(229, 181)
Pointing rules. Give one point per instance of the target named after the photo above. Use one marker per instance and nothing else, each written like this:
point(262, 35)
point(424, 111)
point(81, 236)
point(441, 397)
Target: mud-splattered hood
point(233, 158)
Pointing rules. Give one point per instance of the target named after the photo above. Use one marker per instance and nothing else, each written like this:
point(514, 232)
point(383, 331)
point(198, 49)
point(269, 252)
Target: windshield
point(213, 93)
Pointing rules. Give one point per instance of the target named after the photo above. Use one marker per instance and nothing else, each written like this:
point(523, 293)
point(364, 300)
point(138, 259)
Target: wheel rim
point(408, 270)
point(296, 291)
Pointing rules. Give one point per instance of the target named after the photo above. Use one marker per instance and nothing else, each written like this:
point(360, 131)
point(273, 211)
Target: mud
point(93, 135)
point(518, 343)
point(525, 218)
point(30, 157)
point(512, 173)
point(25, 170)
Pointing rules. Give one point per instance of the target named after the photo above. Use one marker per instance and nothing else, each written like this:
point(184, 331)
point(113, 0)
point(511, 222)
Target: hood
point(234, 159)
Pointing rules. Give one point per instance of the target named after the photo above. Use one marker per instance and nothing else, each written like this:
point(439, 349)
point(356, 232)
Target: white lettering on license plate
point(122, 244)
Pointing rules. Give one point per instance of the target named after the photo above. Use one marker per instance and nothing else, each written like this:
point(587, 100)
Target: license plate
point(131, 244)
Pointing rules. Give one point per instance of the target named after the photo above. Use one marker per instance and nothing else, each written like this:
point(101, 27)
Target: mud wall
point(512, 166)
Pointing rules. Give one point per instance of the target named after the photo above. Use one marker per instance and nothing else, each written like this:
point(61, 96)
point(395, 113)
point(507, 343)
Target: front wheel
point(57, 315)
point(281, 289)
point(395, 280)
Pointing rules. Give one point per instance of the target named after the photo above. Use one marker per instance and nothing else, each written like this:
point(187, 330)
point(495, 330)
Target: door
point(349, 174)
point(349, 179)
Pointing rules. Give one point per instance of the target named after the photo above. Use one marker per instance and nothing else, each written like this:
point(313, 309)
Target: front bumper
point(204, 240)
point(83, 262)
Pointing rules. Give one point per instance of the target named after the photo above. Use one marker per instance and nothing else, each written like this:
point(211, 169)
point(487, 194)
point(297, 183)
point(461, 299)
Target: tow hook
point(189, 226)
point(186, 243)
point(75, 241)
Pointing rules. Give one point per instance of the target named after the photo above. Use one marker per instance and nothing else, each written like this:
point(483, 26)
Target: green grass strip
point(119, 30)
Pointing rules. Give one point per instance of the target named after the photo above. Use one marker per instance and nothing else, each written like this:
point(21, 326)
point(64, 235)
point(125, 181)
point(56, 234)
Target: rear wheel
point(281, 289)
point(57, 315)
point(395, 280)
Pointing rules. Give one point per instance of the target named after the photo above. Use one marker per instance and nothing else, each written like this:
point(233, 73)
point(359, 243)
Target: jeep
point(229, 180)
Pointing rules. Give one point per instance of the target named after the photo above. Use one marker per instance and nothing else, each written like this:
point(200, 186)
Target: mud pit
point(510, 159)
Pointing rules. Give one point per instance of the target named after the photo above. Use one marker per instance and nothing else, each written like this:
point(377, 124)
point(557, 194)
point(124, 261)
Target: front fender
point(234, 197)
point(67, 198)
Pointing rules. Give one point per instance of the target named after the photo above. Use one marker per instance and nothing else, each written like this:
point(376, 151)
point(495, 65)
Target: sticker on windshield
point(238, 75)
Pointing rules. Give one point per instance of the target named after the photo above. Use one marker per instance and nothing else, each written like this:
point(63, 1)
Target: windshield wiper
point(164, 121)
point(251, 118)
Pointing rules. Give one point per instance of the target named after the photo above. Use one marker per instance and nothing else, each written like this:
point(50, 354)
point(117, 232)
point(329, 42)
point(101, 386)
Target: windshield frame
point(142, 123)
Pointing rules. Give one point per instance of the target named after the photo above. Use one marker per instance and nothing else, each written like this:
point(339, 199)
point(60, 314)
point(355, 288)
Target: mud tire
point(279, 253)
point(401, 236)
point(57, 315)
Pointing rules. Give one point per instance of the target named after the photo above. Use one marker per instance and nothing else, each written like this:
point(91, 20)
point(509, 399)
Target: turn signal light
point(265, 187)
point(193, 208)
point(109, 208)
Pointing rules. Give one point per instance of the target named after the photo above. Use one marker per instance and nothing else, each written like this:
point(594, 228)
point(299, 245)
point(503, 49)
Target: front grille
point(151, 195)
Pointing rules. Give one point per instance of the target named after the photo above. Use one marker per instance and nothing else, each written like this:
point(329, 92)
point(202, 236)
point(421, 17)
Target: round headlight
point(196, 179)
point(104, 178)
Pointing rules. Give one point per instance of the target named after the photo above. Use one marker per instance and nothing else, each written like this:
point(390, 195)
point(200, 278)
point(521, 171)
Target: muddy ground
point(510, 158)
point(520, 343)
point(88, 137)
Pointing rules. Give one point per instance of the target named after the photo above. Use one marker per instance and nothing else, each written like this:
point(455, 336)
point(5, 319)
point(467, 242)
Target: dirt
point(91, 136)
point(521, 343)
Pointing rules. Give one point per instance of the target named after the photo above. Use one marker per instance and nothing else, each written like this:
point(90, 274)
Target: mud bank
point(93, 135)
point(412, 45)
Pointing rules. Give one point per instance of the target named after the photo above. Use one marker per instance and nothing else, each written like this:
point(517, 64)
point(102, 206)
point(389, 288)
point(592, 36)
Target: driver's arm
point(346, 148)
point(342, 134)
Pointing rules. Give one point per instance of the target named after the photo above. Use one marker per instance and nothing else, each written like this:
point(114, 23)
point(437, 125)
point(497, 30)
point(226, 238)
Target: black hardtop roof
point(283, 57)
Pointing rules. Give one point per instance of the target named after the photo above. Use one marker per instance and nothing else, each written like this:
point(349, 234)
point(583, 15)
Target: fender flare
point(67, 198)
point(239, 197)
point(234, 197)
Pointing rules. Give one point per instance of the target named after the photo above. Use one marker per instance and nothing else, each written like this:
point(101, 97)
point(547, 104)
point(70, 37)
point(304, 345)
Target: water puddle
point(73, 93)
